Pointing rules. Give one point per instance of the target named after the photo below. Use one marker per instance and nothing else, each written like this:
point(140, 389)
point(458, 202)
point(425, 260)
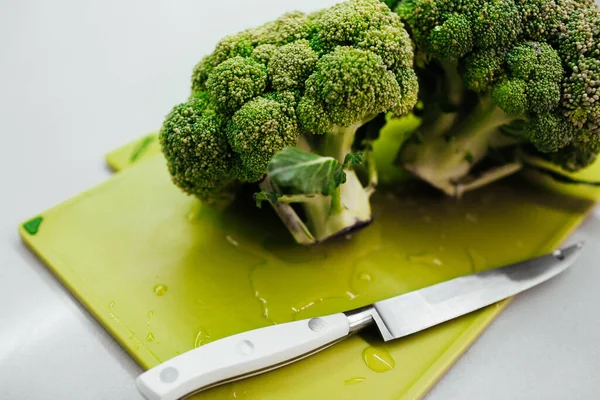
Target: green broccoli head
point(306, 80)
point(529, 69)
point(536, 60)
point(310, 72)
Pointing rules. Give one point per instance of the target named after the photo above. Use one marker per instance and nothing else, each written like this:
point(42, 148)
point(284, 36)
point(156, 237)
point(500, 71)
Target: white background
point(79, 78)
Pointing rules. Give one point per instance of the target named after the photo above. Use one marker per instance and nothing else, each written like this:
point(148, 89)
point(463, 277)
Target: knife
point(261, 350)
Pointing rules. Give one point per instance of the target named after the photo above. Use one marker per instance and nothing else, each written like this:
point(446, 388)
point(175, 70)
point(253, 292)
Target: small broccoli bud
point(542, 19)
point(337, 25)
point(521, 61)
point(549, 65)
point(340, 80)
point(312, 116)
point(498, 23)
point(481, 69)
point(291, 65)
point(549, 132)
point(543, 97)
point(451, 40)
point(263, 53)
point(422, 17)
point(580, 153)
point(200, 74)
point(197, 152)
point(409, 85)
point(235, 81)
point(391, 43)
point(288, 28)
point(345, 23)
point(510, 96)
point(258, 130)
point(231, 46)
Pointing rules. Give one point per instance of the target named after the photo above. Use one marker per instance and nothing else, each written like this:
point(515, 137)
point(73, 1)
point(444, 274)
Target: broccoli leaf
point(352, 159)
point(265, 196)
point(308, 173)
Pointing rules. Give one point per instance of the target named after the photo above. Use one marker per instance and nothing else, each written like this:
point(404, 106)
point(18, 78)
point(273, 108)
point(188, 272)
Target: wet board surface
point(164, 274)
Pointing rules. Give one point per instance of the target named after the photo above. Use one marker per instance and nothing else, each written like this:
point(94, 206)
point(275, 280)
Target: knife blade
point(261, 350)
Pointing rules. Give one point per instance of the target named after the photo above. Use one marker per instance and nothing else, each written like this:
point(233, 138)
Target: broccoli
point(280, 105)
point(497, 75)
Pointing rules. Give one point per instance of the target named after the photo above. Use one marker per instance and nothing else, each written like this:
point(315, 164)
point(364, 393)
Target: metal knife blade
point(415, 311)
point(261, 350)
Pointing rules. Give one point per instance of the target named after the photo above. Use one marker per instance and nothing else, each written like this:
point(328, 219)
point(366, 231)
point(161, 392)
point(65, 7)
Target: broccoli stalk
point(445, 160)
point(516, 74)
point(333, 199)
point(279, 106)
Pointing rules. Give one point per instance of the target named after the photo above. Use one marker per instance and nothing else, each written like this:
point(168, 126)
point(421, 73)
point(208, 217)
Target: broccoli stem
point(444, 160)
point(349, 205)
point(325, 216)
point(348, 208)
point(338, 142)
point(442, 114)
point(289, 217)
point(456, 88)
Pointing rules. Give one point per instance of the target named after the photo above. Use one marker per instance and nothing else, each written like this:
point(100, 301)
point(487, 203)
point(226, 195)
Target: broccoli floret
point(304, 82)
point(234, 82)
point(198, 154)
point(525, 68)
point(263, 53)
point(258, 130)
point(291, 65)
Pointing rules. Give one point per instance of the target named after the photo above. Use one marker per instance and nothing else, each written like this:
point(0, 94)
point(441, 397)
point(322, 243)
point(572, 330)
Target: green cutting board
point(164, 274)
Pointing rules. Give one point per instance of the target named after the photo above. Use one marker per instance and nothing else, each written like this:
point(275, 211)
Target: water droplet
point(364, 276)
point(263, 304)
point(355, 380)
point(113, 316)
point(378, 359)
point(425, 259)
point(150, 314)
point(147, 323)
point(471, 217)
point(150, 337)
point(202, 337)
point(136, 347)
point(232, 240)
point(478, 262)
point(160, 289)
point(111, 304)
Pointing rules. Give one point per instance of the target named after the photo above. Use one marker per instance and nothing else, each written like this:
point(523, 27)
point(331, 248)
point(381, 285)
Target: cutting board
point(163, 274)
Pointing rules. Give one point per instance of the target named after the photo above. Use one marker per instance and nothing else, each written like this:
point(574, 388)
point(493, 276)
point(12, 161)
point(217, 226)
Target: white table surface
point(78, 78)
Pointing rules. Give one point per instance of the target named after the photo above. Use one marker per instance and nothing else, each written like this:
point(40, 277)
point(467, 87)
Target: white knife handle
point(241, 355)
